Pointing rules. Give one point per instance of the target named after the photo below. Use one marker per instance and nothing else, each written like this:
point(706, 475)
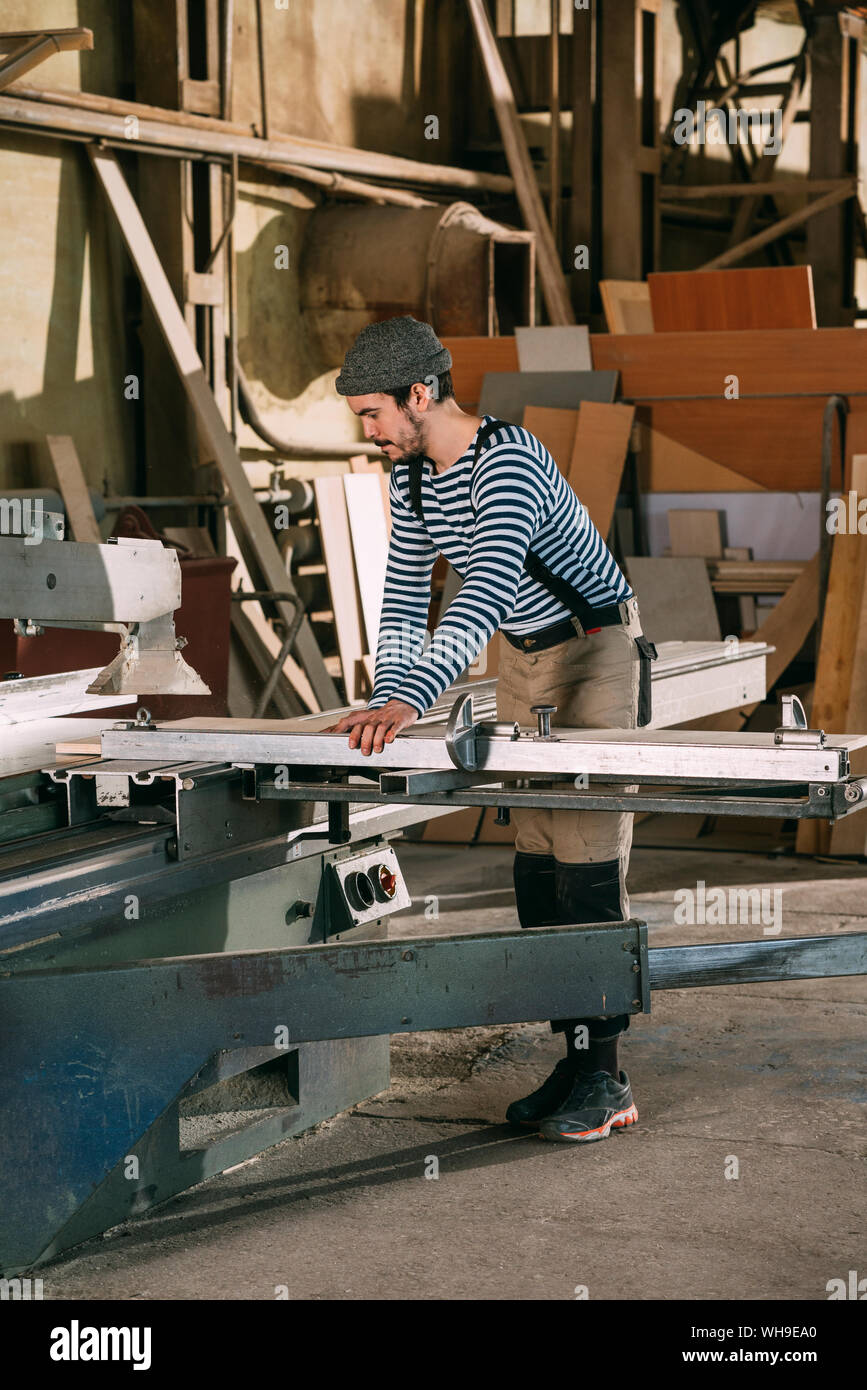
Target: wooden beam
point(214, 140)
point(551, 275)
point(333, 516)
point(210, 422)
point(778, 229)
point(73, 488)
point(777, 188)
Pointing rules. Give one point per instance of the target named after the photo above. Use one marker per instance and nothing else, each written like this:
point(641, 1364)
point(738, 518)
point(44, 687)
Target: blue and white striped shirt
point(522, 502)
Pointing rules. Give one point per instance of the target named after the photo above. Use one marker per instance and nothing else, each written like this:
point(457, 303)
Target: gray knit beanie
point(389, 355)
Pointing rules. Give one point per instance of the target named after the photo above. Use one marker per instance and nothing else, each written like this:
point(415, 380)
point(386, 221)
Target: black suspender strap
point(535, 567)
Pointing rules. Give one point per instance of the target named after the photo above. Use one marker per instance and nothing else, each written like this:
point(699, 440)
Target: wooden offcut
point(599, 454)
point(552, 348)
point(363, 463)
point(701, 301)
point(369, 547)
point(73, 488)
point(696, 531)
point(556, 429)
point(627, 306)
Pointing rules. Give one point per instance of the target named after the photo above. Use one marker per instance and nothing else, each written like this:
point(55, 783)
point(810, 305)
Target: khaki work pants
point(594, 682)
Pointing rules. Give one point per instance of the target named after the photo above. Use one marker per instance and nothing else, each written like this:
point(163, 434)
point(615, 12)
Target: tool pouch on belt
point(646, 653)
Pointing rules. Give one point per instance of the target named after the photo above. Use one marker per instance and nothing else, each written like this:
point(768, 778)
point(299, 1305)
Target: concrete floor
point(768, 1075)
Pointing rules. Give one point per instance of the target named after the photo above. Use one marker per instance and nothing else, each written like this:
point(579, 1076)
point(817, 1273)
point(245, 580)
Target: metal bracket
point(793, 731)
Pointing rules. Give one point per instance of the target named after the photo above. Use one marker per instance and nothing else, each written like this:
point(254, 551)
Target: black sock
point(600, 1054)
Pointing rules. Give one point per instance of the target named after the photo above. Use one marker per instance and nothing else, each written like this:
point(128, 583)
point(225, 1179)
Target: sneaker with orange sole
point(595, 1105)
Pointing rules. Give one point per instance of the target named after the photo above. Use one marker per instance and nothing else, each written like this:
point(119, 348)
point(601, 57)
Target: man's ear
point(421, 395)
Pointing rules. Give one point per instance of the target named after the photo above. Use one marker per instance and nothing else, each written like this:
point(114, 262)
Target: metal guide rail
point(794, 772)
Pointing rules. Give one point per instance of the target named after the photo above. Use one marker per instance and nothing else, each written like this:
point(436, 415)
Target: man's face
point(399, 433)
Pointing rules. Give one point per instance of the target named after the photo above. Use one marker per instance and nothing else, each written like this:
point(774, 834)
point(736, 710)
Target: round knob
point(543, 714)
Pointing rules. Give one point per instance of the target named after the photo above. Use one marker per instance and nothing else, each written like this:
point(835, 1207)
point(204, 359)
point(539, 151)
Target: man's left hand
point(372, 728)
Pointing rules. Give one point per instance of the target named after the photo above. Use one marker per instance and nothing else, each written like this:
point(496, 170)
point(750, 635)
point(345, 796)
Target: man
point(489, 496)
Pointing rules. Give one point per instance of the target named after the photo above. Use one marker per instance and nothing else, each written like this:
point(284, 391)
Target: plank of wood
point(700, 301)
point(596, 467)
point(778, 229)
point(772, 361)
point(660, 586)
point(362, 463)
point(331, 509)
point(369, 546)
point(665, 465)
point(506, 394)
point(695, 531)
point(556, 429)
point(472, 359)
point(835, 667)
point(551, 277)
point(245, 631)
point(746, 602)
point(627, 306)
point(212, 429)
point(73, 488)
point(554, 348)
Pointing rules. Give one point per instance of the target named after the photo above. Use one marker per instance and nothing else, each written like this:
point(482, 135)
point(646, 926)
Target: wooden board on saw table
point(700, 301)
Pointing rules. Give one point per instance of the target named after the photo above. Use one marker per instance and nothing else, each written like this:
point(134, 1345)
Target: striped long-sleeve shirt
point(522, 501)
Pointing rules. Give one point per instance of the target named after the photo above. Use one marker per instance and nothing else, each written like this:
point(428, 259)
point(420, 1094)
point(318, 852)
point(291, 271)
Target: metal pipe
point(294, 448)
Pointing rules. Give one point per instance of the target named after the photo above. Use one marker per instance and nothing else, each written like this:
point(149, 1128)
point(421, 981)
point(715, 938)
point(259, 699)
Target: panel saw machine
point(197, 957)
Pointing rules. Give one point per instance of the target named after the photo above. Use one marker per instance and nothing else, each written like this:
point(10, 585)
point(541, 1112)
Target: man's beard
point(411, 449)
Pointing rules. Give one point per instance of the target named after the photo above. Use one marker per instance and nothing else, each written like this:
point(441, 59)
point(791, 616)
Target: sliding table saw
point(195, 960)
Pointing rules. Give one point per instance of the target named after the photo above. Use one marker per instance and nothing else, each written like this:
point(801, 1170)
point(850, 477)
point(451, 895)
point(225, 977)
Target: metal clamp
point(793, 731)
point(461, 731)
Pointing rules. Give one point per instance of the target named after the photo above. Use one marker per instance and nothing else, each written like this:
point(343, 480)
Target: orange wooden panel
point(773, 361)
point(472, 358)
point(777, 443)
point(601, 443)
point(556, 429)
point(699, 301)
point(666, 466)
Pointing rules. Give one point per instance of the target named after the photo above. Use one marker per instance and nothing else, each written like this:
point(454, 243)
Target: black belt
point(561, 632)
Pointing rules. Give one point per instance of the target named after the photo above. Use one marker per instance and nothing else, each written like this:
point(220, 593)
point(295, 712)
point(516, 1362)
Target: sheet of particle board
point(556, 429)
point(694, 531)
point(664, 465)
point(772, 361)
point(555, 348)
point(336, 539)
point(506, 394)
point(83, 524)
point(700, 301)
point(369, 545)
point(472, 358)
point(596, 467)
point(627, 306)
point(662, 586)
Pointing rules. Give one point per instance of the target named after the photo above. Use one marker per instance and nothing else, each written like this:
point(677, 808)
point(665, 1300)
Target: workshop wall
point(60, 351)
